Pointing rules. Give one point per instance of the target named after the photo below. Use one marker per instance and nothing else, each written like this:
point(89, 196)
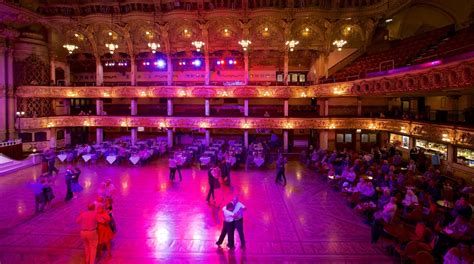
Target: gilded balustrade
point(457, 135)
point(453, 76)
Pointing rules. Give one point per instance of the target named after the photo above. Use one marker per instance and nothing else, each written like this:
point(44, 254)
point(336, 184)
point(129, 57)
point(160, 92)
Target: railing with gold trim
point(456, 76)
point(463, 136)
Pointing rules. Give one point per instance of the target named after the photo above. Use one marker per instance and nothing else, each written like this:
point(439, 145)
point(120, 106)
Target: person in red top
point(104, 231)
point(88, 222)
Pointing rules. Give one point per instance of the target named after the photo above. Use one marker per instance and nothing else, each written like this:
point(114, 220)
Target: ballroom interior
point(117, 88)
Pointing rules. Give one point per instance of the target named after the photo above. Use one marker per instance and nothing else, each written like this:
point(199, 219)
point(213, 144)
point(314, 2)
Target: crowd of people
point(403, 201)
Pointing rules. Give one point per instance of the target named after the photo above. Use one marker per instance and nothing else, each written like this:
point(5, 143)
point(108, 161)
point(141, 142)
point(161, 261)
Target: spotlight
point(197, 63)
point(218, 62)
point(222, 62)
point(231, 62)
point(160, 64)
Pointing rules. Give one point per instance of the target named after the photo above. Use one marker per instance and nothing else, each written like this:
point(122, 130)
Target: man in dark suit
point(280, 166)
point(211, 180)
point(68, 177)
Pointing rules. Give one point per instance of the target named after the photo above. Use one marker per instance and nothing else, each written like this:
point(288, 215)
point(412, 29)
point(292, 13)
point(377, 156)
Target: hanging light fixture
point(339, 44)
point(153, 46)
point(198, 45)
point(245, 44)
point(70, 47)
point(112, 47)
point(291, 44)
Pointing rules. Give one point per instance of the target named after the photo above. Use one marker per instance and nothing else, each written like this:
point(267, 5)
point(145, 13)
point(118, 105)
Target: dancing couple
point(233, 219)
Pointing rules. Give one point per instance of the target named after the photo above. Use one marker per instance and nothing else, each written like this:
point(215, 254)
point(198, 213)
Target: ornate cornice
point(452, 76)
point(462, 136)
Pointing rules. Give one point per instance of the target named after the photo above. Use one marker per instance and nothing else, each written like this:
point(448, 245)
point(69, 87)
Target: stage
point(159, 221)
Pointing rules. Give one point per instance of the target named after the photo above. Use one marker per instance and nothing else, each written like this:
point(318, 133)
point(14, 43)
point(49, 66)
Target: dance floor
point(163, 222)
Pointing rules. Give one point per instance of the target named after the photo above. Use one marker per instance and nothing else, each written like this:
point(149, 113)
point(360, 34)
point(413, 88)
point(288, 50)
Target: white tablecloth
point(205, 160)
point(258, 161)
point(134, 159)
point(86, 157)
point(111, 159)
point(62, 157)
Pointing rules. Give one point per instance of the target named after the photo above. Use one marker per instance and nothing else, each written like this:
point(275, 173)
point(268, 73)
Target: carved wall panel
point(31, 71)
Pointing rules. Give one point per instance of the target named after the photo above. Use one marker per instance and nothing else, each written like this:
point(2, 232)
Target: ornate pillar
point(246, 107)
point(169, 107)
point(208, 137)
point(52, 71)
point(323, 139)
point(246, 67)
point(246, 139)
point(285, 67)
point(359, 106)
point(205, 49)
point(99, 72)
point(3, 97)
point(99, 107)
point(134, 107)
point(133, 71)
point(67, 75)
point(99, 136)
point(52, 138)
point(170, 138)
point(169, 65)
point(285, 108)
point(134, 135)
point(207, 107)
point(324, 107)
point(285, 140)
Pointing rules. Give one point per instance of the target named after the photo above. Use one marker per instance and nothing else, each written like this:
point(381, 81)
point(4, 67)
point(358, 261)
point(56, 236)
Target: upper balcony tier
point(430, 78)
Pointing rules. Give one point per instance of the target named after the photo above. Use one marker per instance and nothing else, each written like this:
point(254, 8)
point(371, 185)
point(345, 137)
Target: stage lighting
point(197, 63)
point(161, 64)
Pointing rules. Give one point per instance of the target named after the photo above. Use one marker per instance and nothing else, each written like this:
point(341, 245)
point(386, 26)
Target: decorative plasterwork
point(462, 136)
point(454, 76)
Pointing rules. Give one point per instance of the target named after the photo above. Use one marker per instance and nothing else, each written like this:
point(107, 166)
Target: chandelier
point(198, 45)
point(245, 43)
point(292, 44)
point(153, 46)
point(339, 44)
point(112, 47)
point(70, 47)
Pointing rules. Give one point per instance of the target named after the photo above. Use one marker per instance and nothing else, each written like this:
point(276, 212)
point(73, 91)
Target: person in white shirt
point(228, 226)
point(172, 165)
point(410, 199)
point(239, 209)
point(109, 188)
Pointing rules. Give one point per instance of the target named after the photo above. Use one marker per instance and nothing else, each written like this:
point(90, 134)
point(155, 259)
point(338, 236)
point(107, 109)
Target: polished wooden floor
point(163, 222)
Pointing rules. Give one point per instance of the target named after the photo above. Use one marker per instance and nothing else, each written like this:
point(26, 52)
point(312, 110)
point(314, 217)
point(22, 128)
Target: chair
point(424, 257)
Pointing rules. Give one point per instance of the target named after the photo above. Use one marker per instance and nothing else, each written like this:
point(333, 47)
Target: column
point(3, 98)
point(208, 137)
point(246, 67)
point(207, 68)
point(99, 107)
point(246, 139)
point(169, 107)
point(285, 67)
point(67, 75)
point(134, 107)
point(207, 107)
point(67, 106)
point(285, 140)
point(99, 72)
point(134, 135)
point(359, 107)
point(323, 139)
point(170, 138)
point(357, 141)
point(52, 71)
point(52, 138)
point(99, 135)
point(170, 70)
point(285, 108)
point(246, 107)
point(324, 107)
point(133, 71)
point(9, 85)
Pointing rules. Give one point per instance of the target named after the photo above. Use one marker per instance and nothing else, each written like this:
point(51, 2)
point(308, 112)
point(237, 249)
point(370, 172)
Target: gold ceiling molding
point(462, 136)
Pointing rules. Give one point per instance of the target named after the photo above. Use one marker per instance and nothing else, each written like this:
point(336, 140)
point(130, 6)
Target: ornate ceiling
point(174, 25)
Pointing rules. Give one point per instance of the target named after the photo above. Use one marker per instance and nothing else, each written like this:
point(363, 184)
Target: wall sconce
point(245, 125)
point(71, 94)
point(266, 93)
point(446, 138)
point(182, 93)
point(204, 125)
point(303, 94)
point(403, 130)
point(86, 123)
point(162, 125)
point(106, 94)
point(288, 125)
point(332, 126)
point(50, 124)
point(372, 126)
point(142, 93)
point(338, 91)
point(123, 124)
point(358, 130)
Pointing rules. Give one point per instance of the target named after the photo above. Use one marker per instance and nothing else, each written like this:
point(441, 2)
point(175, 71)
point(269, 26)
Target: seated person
point(459, 228)
point(462, 208)
point(384, 199)
point(368, 191)
point(410, 199)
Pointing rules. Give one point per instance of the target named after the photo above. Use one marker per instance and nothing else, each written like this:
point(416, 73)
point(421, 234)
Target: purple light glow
point(197, 63)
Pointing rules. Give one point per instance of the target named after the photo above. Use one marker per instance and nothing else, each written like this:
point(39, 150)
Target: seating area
point(417, 212)
point(398, 53)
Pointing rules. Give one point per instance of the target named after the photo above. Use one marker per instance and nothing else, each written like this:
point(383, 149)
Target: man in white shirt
point(228, 226)
point(239, 209)
point(172, 165)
